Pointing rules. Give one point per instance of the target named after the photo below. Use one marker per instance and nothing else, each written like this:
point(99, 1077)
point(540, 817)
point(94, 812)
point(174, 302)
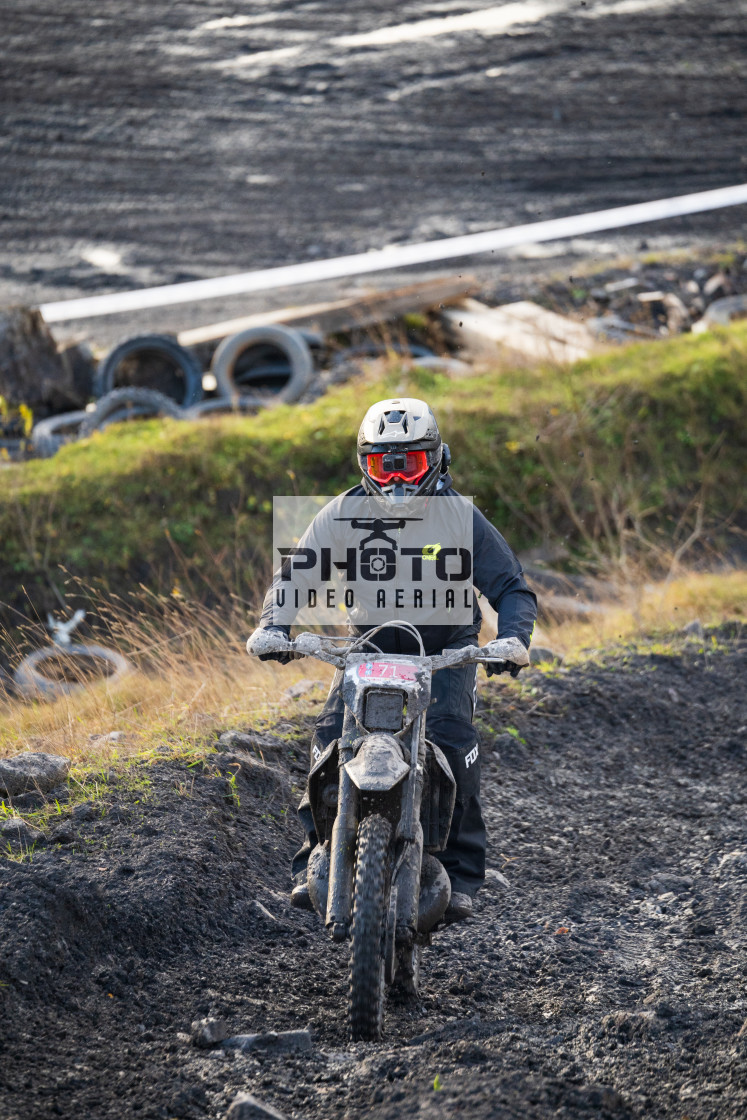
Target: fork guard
point(379, 764)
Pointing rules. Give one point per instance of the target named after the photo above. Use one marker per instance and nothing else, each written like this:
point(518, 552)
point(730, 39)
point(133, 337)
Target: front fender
point(379, 764)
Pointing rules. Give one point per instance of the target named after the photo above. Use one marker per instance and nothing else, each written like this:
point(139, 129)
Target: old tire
point(224, 404)
point(32, 682)
point(370, 909)
point(48, 436)
point(290, 342)
point(184, 386)
point(125, 403)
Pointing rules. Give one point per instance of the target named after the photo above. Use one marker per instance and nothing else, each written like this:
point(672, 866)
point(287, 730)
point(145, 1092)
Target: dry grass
point(653, 609)
point(192, 678)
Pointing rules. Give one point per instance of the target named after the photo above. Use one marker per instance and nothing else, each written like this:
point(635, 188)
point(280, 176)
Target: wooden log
point(344, 314)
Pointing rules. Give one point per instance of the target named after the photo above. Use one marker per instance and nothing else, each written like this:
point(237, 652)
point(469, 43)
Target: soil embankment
point(605, 980)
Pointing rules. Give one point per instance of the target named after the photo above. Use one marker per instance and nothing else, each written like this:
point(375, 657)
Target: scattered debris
point(366, 310)
point(264, 359)
point(281, 1042)
point(521, 328)
point(32, 771)
point(208, 1032)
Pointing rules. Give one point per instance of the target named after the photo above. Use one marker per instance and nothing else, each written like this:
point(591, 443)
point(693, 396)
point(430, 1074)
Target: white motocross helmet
point(400, 450)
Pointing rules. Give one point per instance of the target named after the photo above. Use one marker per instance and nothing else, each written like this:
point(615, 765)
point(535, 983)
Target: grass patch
point(192, 678)
point(626, 454)
point(653, 611)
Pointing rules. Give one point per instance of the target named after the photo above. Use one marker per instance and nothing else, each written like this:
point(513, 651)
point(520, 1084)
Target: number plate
point(387, 671)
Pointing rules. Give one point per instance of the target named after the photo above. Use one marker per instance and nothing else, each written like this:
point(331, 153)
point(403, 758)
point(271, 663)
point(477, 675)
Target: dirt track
point(186, 142)
point(606, 981)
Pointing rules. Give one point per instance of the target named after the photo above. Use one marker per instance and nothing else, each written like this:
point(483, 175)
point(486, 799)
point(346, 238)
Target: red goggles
point(410, 466)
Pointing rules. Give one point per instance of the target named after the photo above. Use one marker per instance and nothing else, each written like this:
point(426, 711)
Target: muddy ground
point(192, 138)
point(606, 980)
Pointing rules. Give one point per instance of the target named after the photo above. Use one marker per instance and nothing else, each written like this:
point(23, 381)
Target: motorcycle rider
point(401, 454)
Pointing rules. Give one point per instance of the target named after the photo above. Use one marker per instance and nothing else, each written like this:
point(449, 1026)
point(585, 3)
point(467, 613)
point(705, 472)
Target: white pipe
point(396, 256)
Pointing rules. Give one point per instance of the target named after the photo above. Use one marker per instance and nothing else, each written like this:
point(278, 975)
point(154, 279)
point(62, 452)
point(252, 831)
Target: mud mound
point(601, 977)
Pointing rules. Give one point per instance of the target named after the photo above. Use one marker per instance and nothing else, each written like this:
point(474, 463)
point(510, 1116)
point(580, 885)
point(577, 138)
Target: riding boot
point(464, 855)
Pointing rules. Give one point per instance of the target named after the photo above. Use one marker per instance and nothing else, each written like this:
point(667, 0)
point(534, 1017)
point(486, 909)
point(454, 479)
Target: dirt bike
point(382, 798)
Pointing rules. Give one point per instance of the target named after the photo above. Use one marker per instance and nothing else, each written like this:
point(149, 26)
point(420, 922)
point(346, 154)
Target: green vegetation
point(626, 454)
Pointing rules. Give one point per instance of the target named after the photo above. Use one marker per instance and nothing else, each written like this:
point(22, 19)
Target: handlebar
point(265, 641)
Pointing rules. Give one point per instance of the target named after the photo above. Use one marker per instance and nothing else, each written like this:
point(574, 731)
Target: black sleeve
point(498, 575)
point(321, 531)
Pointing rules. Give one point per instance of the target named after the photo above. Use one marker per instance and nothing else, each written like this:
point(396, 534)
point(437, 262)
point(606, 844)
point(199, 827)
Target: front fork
point(406, 880)
point(342, 843)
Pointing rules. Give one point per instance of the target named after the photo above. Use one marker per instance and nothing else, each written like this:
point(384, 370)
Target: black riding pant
point(449, 725)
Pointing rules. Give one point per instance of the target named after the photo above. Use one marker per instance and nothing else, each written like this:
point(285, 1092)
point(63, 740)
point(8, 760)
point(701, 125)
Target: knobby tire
point(370, 906)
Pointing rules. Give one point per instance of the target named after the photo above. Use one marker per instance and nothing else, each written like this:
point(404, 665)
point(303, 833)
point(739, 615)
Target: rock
point(718, 284)
point(247, 1107)
point(722, 312)
point(108, 737)
point(31, 371)
point(493, 876)
point(678, 317)
point(254, 741)
point(207, 1032)
point(540, 654)
point(300, 688)
point(31, 771)
point(283, 1042)
point(694, 629)
point(16, 828)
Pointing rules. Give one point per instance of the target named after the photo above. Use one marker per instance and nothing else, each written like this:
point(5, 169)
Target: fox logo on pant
point(471, 757)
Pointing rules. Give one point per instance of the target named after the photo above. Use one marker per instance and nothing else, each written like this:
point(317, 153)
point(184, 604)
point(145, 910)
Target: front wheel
point(370, 908)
